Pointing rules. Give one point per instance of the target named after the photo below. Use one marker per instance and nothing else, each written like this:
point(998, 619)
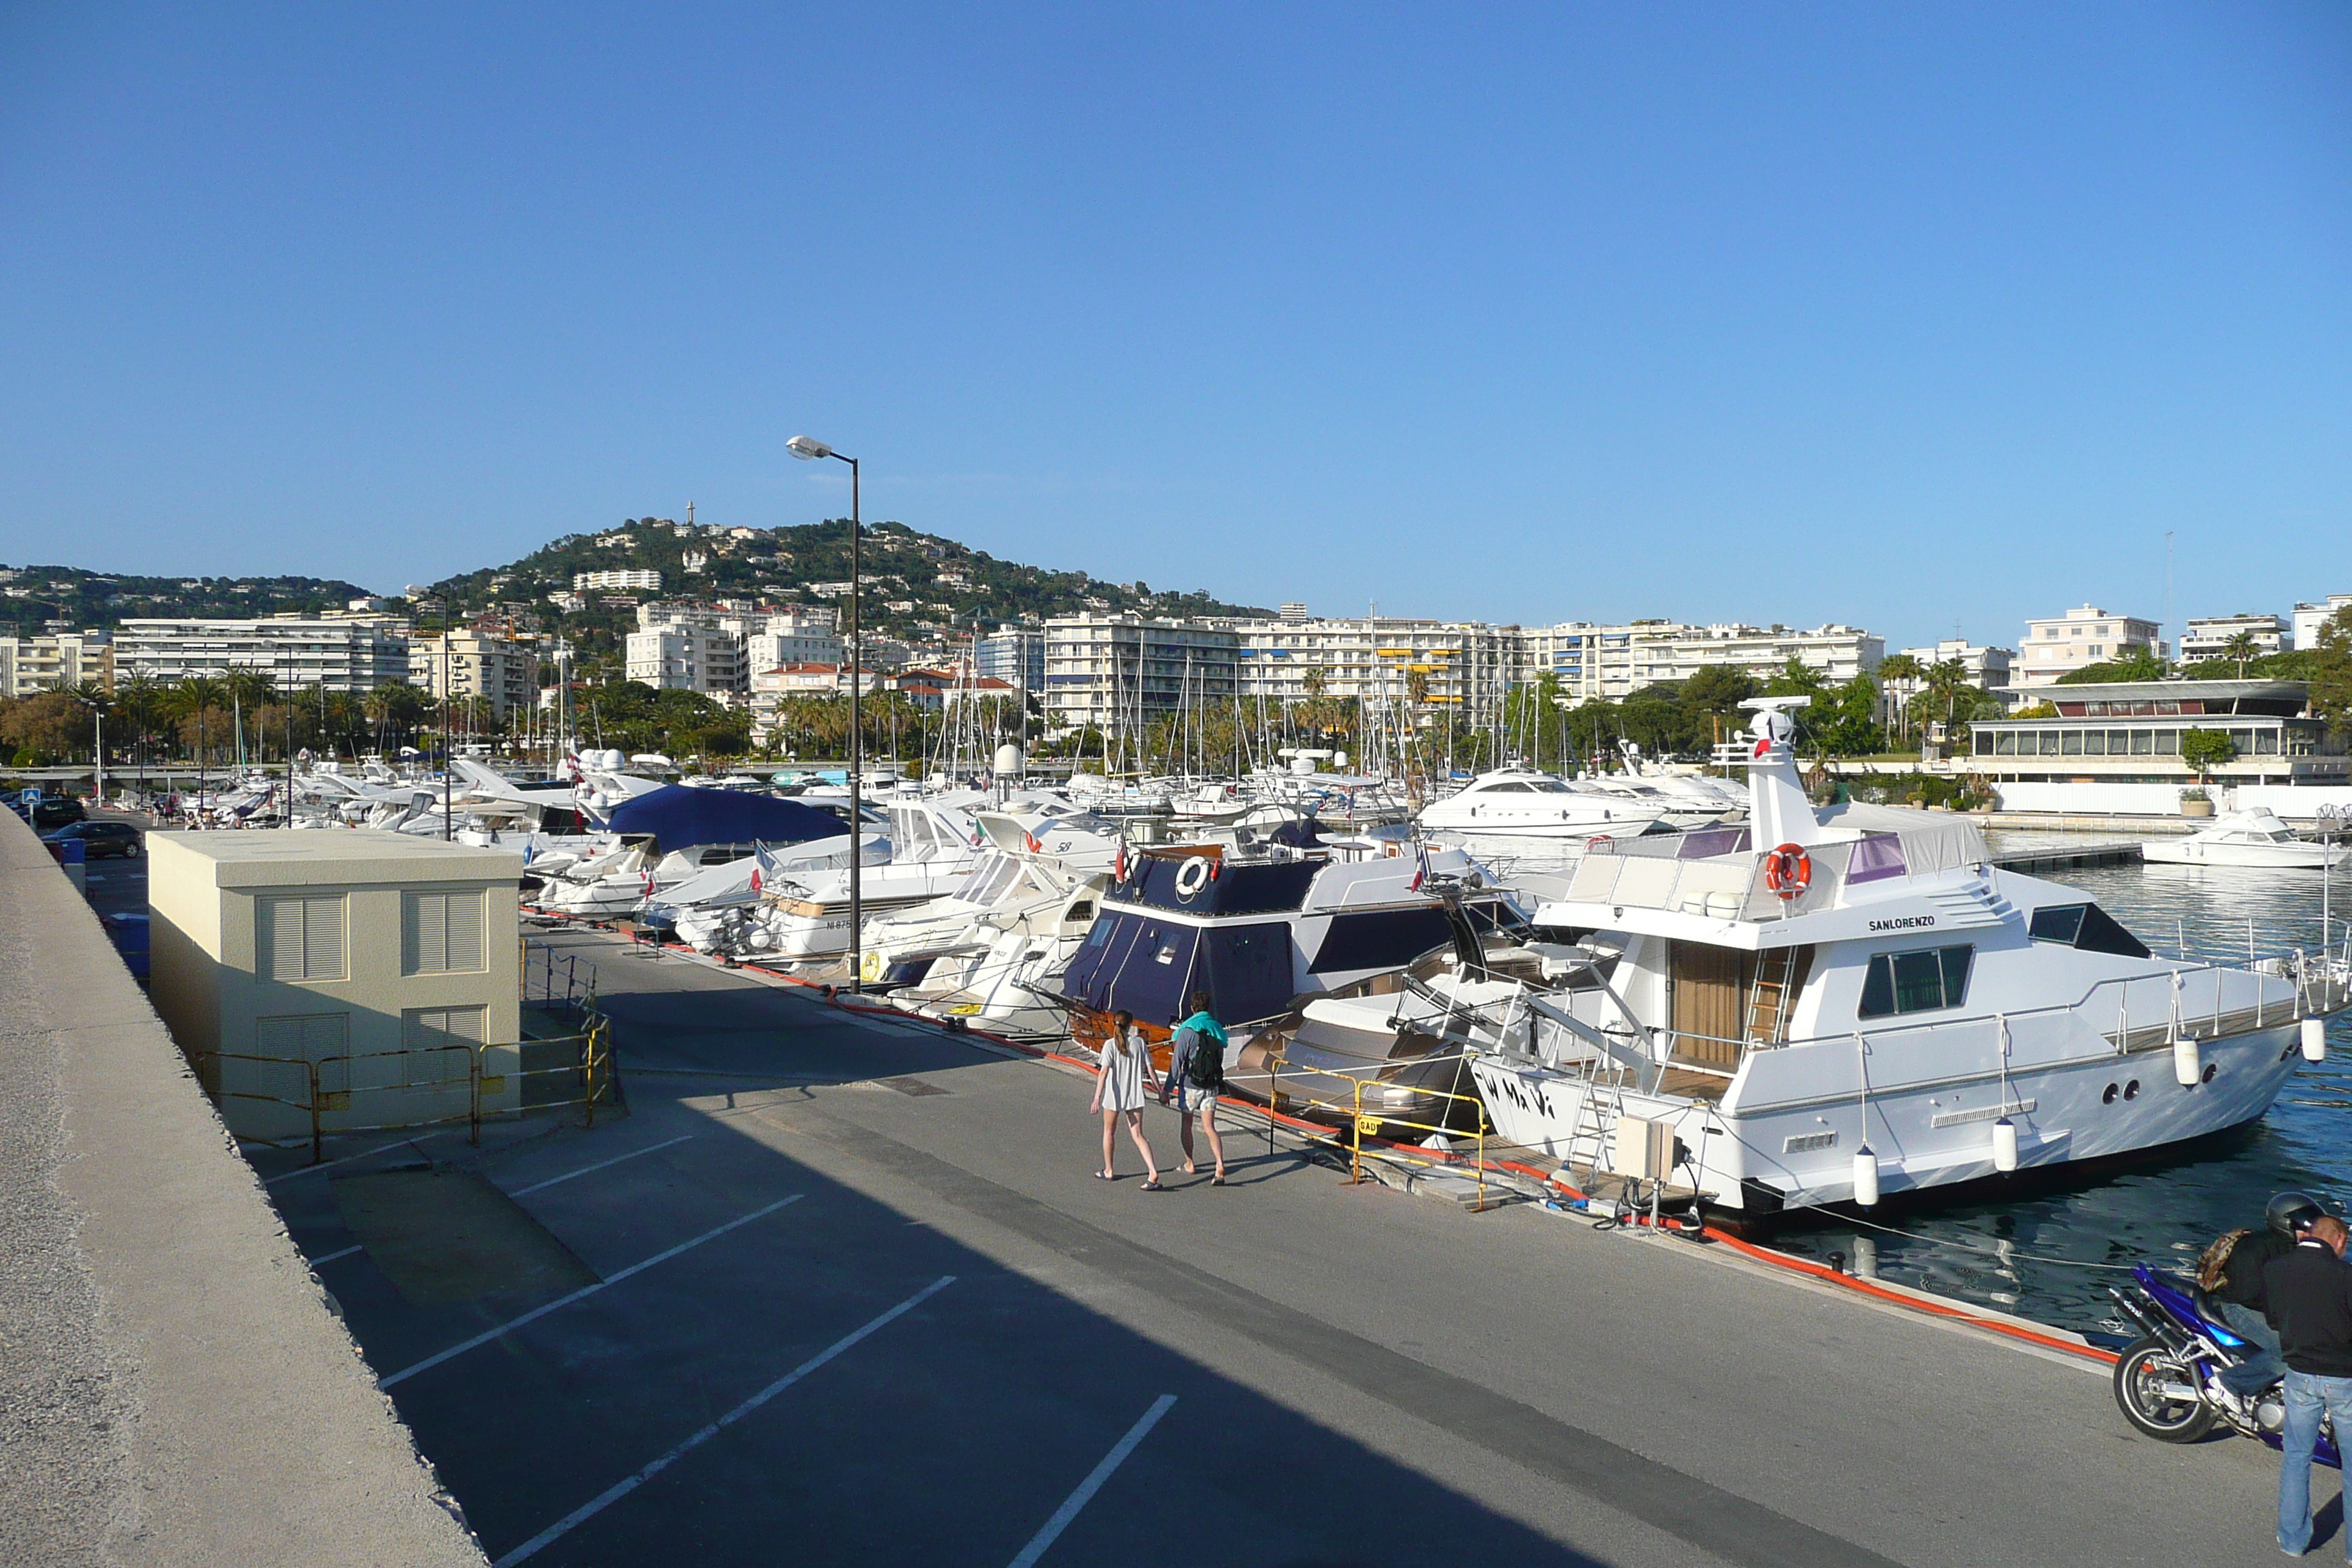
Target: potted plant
point(2195, 802)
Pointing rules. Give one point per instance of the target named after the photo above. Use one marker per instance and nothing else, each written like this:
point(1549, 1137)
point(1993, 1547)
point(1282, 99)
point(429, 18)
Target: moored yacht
point(1257, 925)
point(2245, 838)
point(1521, 803)
point(1856, 1002)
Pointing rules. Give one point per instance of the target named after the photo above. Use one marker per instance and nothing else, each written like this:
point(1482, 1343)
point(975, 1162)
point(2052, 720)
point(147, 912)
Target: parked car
point(56, 811)
point(101, 839)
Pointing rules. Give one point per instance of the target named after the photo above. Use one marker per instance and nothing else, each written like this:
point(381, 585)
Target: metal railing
point(593, 1072)
point(1359, 1122)
point(556, 982)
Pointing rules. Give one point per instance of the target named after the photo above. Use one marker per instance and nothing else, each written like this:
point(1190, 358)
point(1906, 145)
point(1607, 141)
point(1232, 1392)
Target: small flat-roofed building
point(360, 974)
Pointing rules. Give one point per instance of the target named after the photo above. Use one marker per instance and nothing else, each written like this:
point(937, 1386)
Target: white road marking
point(1092, 1484)
point(405, 1373)
point(324, 1164)
point(601, 1165)
point(622, 1489)
point(346, 1252)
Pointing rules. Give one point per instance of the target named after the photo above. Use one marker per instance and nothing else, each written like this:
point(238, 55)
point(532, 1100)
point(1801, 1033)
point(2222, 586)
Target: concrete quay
point(841, 1287)
point(175, 1387)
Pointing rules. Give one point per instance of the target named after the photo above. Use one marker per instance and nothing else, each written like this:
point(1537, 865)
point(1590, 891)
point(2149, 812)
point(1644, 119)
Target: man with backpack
point(1196, 1071)
point(2230, 1273)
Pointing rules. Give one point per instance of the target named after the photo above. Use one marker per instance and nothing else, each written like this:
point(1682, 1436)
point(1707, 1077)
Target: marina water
point(2051, 1255)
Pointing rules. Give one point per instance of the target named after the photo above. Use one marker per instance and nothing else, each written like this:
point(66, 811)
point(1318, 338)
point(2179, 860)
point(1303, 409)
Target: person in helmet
point(2231, 1274)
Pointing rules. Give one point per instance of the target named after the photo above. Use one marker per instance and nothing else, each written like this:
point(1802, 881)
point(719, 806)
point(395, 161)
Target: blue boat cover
point(680, 817)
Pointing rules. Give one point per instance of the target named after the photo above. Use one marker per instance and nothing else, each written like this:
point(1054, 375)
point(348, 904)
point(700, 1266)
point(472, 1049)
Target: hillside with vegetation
point(33, 596)
point(916, 586)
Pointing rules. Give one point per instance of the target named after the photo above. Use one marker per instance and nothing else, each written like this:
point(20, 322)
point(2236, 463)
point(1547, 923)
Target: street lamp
point(809, 450)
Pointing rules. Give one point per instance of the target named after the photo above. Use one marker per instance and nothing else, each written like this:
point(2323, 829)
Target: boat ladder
point(1769, 998)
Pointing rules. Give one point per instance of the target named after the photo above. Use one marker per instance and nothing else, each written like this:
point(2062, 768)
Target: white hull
point(2276, 857)
point(2062, 1112)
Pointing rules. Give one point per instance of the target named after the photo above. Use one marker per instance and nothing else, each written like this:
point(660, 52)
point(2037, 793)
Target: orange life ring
point(1789, 871)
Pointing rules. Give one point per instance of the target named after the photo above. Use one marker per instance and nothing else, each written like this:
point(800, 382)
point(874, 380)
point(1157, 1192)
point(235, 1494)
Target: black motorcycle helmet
point(2291, 1214)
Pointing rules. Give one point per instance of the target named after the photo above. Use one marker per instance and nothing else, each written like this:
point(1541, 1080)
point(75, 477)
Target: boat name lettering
point(1904, 922)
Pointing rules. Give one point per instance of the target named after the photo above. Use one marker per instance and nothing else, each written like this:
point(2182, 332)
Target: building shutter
point(465, 940)
point(441, 933)
point(301, 938)
point(423, 1028)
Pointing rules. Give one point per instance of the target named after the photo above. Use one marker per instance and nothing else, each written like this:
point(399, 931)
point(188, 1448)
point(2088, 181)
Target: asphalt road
point(857, 1297)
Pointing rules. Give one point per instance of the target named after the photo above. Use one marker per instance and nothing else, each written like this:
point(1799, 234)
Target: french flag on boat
point(763, 866)
point(1419, 864)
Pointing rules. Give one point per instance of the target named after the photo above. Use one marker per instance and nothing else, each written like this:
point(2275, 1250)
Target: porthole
point(2131, 1090)
point(2212, 1071)
point(2109, 1097)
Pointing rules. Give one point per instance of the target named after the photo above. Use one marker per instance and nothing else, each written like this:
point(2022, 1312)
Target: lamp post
point(812, 451)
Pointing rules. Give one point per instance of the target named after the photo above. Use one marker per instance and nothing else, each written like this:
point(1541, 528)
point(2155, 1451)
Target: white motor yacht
point(1520, 803)
point(2245, 838)
point(934, 844)
point(1856, 1002)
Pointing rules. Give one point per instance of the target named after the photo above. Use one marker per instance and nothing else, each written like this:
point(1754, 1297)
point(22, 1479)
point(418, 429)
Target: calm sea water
point(2052, 1256)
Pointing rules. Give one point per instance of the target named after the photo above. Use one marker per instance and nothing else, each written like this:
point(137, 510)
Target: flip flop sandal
point(1153, 1186)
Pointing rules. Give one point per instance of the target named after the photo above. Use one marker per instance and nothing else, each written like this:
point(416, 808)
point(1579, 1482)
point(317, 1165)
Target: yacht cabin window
point(1925, 981)
point(2086, 927)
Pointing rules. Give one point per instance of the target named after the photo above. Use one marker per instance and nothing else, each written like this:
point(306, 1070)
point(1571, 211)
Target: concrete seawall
point(175, 1387)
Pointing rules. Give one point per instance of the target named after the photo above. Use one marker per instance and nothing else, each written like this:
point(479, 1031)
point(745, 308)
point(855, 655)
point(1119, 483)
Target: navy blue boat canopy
point(681, 818)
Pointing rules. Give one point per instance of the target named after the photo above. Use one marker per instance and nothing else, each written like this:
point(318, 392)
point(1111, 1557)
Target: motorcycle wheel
point(2141, 1377)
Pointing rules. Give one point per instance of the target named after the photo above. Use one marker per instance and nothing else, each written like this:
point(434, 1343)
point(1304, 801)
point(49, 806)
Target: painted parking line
point(405, 1373)
point(622, 1489)
point(1077, 1499)
point(347, 1159)
point(599, 1165)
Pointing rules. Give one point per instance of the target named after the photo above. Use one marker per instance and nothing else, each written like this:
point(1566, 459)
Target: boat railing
point(2140, 1012)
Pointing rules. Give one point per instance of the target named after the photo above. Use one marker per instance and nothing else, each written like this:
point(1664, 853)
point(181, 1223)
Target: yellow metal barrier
point(593, 1071)
point(1360, 1122)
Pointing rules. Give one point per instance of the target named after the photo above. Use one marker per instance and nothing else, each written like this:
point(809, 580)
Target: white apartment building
point(1015, 654)
point(1113, 668)
point(686, 658)
point(53, 660)
point(2309, 618)
point(2084, 635)
point(2210, 636)
point(1612, 662)
point(773, 649)
point(352, 654)
point(649, 582)
point(1461, 663)
point(502, 671)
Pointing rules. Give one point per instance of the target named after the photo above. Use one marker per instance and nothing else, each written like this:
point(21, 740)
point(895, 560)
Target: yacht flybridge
point(1824, 1007)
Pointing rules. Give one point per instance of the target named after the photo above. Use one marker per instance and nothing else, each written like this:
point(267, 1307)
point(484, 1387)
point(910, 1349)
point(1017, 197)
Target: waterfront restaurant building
point(2129, 732)
point(373, 966)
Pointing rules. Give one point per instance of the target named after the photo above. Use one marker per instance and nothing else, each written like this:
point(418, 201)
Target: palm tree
point(1945, 679)
point(2242, 647)
point(142, 702)
point(1905, 669)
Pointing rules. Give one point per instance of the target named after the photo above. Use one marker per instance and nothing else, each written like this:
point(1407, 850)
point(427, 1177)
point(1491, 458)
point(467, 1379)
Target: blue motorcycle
point(2167, 1383)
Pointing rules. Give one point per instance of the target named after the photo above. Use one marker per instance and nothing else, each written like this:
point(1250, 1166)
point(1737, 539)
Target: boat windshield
point(998, 876)
point(1549, 786)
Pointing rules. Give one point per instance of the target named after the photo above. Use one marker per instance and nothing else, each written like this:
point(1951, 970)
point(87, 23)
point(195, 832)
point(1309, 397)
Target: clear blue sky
point(1906, 315)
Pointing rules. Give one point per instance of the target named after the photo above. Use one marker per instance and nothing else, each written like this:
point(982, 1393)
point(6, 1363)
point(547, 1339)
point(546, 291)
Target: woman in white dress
point(1120, 1090)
